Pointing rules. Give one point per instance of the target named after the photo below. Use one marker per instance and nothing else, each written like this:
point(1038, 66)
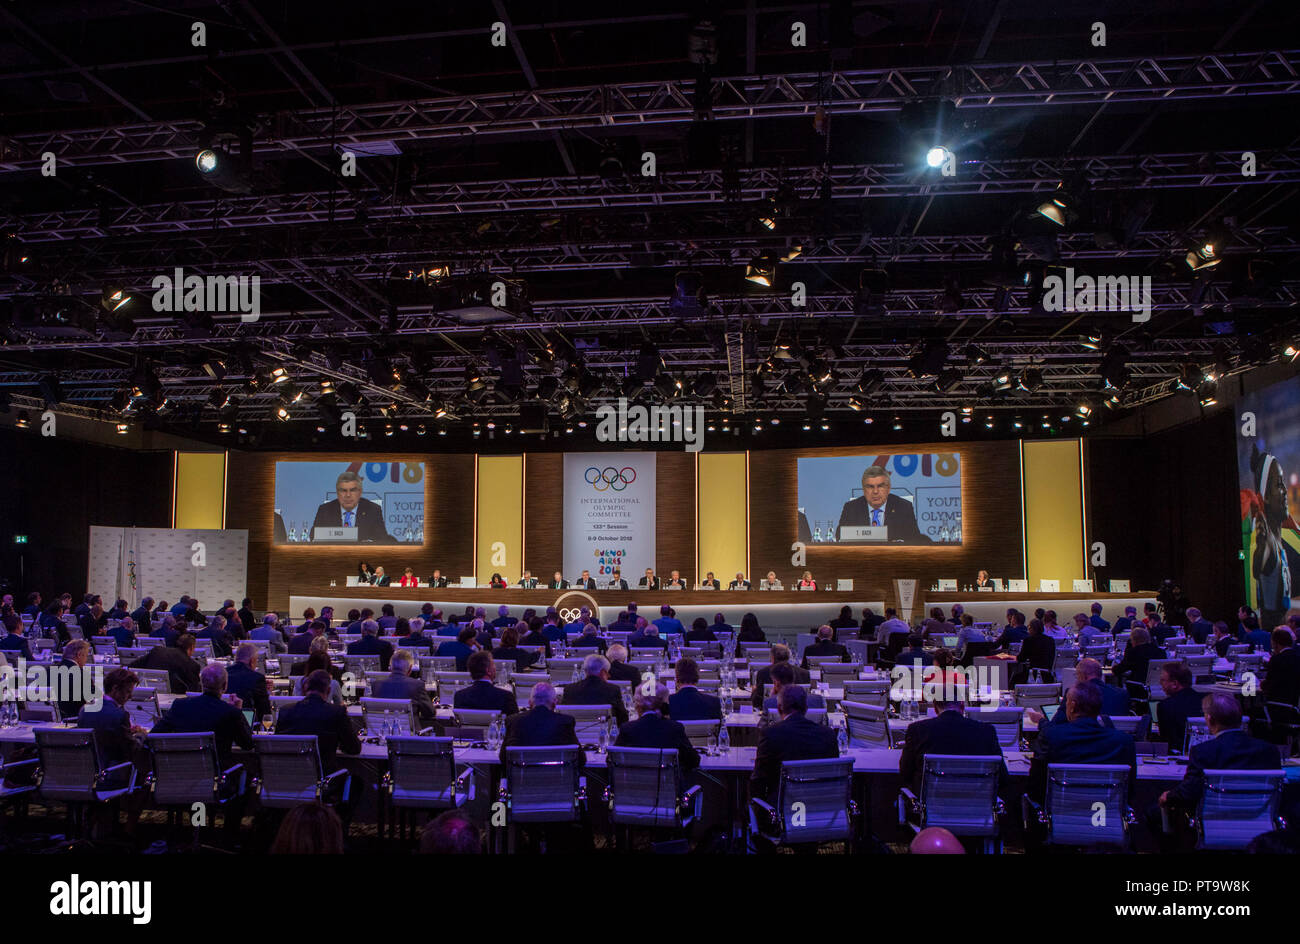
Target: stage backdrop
point(1268, 470)
point(609, 514)
point(132, 563)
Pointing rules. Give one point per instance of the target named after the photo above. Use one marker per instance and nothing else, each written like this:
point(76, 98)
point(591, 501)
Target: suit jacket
point(654, 583)
point(950, 733)
point(590, 640)
point(141, 619)
point(739, 585)
point(1038, 652)
point(330, 724)
point(300, 644)
point(795, 738)
point(222, 641)
point(124, 637)
point(541, 727)
point(208, 713)
point(1133, 668)
point(369, 521)
point(1231, 750)
point(1172, 713)
point(619, 584)
point(646, 641)
point(622, 672)
point(182, 671)
point(825, 649)
point(437, 582)
point(1282, 681)
point(654, 730)
point(273, 636)
point(621, 626)
point(701, 635)
point(714, 583)
point(403, 686)
point(168, 635)
point(419, 640)
point(594, 690)
point(561, 585)
point(250, 686)
point(1199, 630)
point(373, 646)
point(382, 581)
point(1114, 701)
point(900, 519)
point(71, 708)
point(519, 657)
point(691, 704)
point(112, 727)
point(1083, 741)
point(588, 584)
point(458, 649)
point(482, 695)
point(763, 678)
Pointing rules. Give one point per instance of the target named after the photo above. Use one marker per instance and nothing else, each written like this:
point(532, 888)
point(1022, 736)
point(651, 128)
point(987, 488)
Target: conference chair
point(287, 661)
point(104, 645)
point(873, 692)
point(1097, 651)
point(589, 720)
point(1279, 724)
point(836, 673)
point(143, 707)
point(812, 714)
point(1037, 695)
point(18, 780)
point(868, 725)
point(128, 654)
point(1236, 806)
point(822, 793)
point(1066, 657)
point(157, 679)
point(291, 773)
point(993, 675)
point(975, 650)
point(421, 776)
point(1007, 722)
point(820, 661)
point(1149, 689)
point(645, 790)
point(1195, 731)
point(1069, 814)
point(471, 724)
point(359, 665)
point(704, 733)
point(73, 774)
point(387, 717)
point(1202, 665)
point(1137, 726)
point(185, 770)
point(540, 785)
point(1183, 650)
point(960, 794)
point(449, 683)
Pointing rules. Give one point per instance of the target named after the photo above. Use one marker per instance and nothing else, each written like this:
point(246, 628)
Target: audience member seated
point(590, 638)
point(300, 644)
point(178, 660)
point(646, 636)
point(1014, 631)
point(309, 829)
point(315, 715)
point(451, 832)
point(536, 636)
point(541, 725)
point(1038, 651)
point(166, 630)
point(653, 729)
point(1097, 621)
point(123, 634)
point(825, 646)
point(509, 650)
point(215, 631)
point(210, 711)
point(1179, 704)
point(1198, 628)
point(794, 737)
point(891, 625)
point(915, 653)
point(482, 694)
point(750, 631)
point(594, 688)
point(619, 670)
point(1282, 680)
point(1141, 650)
point(763, 677)
point(935, 625)
point(688, 703)
point(75, 656)
point(14, 641)
point(111, 723)
point(949, 732)
point(1114, 701)
point(401, 684)
point(1083, 740)
point(461, 648)
point(668, 624)
point(388, 618)
point(783, 674)
point(245, 682)
point(371, 645)
point(700, 631)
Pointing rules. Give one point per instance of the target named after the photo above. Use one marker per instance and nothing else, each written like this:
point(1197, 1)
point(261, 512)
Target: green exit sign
point(20, 539)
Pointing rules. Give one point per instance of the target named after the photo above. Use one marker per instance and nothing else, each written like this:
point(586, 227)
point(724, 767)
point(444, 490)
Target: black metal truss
point(630, 105)
point(670, 189)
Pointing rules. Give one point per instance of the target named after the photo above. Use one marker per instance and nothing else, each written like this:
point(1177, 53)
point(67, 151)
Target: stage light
point(1202, 255)
point(668, 385)
point(1208, 393)
point(975, 355)
point(1018, 423)
point(282, 412)
point(898, 423)
point(223, 427)
point(1114, 368)
point(207, 161)
point(704, 384)
point(792, 252)
point(22, 420)
point(50, 390)
point(988, 422)
point(762, 271)
point(279, 375)
point(858, 403)
point(825, 425)
point(948, 378)
point(871, 381)
point(1031, 380)
point(121, 428)
point(929, 360)
point(936, 156)
point(219, 399)
point(688, 293)
point(807, 425)
point(1291, 350)
point(1189, 377)
point(113, 298)
point(1093, 340)
point(1083, 410)
point(215, 368)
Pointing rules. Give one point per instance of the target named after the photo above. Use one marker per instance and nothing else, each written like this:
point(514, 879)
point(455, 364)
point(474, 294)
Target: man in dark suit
point(1282, 681)
point(1082, 741)
point(558, 582)
point(460, 648)
point(210, 712)
point(315, 715)
point(400, 684)
point(1014, 631)
point(763, 677)
point(624, 623)
point(688, 703)
point(111, 723)
point(382, 579)
point(178, 660)
point(590, 638)
point(350, 510)
point(124, 633)
point(951, 732)
point(166, 631)
point(676, 581)
point(75, 656)
point(619, 670)
point(595, 689)
point(825, 647)
point(216, 632)
point(710, 582)
point(740, 583)
point(1114, 701)
point(1198, 627)
point(244, 681)
point(586, 581)
point(652, 729)
point(371, 645)
point(1141, 650)
point(793, 738)
point(1038, 651)
point(649, 580)
point(616, 581)
point(1230, 748)
point(504, 618)
point(141, 614)
point(482, 694)
point(541, 725)
point(878, 508)
point(437, 580)
point(300, 644)
point(1180, 703)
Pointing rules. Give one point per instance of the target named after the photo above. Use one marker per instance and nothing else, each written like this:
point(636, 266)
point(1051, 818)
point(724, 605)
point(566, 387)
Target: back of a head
point(451, 833)
point(793, 699)
point(401, 662)
point(1139, 637)
point(935, 840)
point(1282, 638)
point(1085, 699)
point(317, 682)
point(594, 664)
point(213, 678)
point(688, 671)
point(185, 642)
point(825, 633)
point(782, 673)
point(543, 695)
point(1035, 626)
point(467, 635)
point(1088, 670)
point(652, 702)
point(370, 628)
point(310, 829)
point(479, 664)
point(1223, 711)
point(780, 653)
point(245, 652)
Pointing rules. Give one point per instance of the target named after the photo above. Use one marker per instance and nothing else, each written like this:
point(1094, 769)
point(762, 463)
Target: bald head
point(935, 840)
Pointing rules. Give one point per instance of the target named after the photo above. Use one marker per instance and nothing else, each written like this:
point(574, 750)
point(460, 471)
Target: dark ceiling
point(520, 166)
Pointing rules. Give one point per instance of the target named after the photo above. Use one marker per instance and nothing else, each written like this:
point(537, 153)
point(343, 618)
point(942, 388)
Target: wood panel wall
point(991, 527)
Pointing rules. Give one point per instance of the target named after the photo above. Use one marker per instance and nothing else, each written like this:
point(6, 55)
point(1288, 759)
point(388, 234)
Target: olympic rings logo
point(602, 480)
point(570, 613)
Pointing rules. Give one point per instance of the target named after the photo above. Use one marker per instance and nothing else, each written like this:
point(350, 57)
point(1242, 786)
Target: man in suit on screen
point(350, 510)
point(586, 581)
point(616, 581)
point(878, 508)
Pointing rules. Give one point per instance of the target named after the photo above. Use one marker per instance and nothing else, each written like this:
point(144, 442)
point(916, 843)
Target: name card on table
point(1049, 586)
point(843, 584)
point(948, 584)
point(1017, 586)
point(1083, 586)
point(1120, 586)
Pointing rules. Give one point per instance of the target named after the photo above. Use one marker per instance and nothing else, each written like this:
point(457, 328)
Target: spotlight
point(207, 161)
point(1290, 350)
point(871, 381)
point(1203, 255)
point(857, 403)
point(50, 390)
point(22, 420)
point(279, 375)
point(1114, 369)
point(947, 379)
point(1189, 377)
point(113, 298)
point(1083, 410)
point(1060, 208)
point(1031, 380)
point(282, 411)
point(936, 156)
point(1018, 423)
point(219, 399)
point(121, 428)
point(1208, 393)
point(215, 368)
point(1093, 340)
point(762, 271)
point(688, 293)
point(898, 422)
point(704, 384)
point(975, 355)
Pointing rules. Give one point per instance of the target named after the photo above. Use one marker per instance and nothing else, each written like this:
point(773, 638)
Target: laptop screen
point(248, 716)
point(948, 642)
point(1051, 710)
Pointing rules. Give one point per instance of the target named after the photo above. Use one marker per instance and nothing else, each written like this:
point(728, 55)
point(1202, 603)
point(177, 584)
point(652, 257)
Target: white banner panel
point(609, 514)
point(164, 563)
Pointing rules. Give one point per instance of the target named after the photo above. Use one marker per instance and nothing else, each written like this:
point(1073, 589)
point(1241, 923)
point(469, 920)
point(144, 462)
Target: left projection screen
point(349, 502)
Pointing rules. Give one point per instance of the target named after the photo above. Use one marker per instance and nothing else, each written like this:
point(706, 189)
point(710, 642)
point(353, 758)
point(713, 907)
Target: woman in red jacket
point(409, 579)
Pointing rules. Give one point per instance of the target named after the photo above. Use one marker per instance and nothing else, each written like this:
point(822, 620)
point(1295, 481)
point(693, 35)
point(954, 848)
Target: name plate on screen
point(335, 534)
point(864, 533)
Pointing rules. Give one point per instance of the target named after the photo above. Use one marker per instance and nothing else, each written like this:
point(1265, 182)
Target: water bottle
point(603, 741)
point(842, 738)
point(724, 739)
point(817, 533)
point(577, 673)
point(728, 706)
